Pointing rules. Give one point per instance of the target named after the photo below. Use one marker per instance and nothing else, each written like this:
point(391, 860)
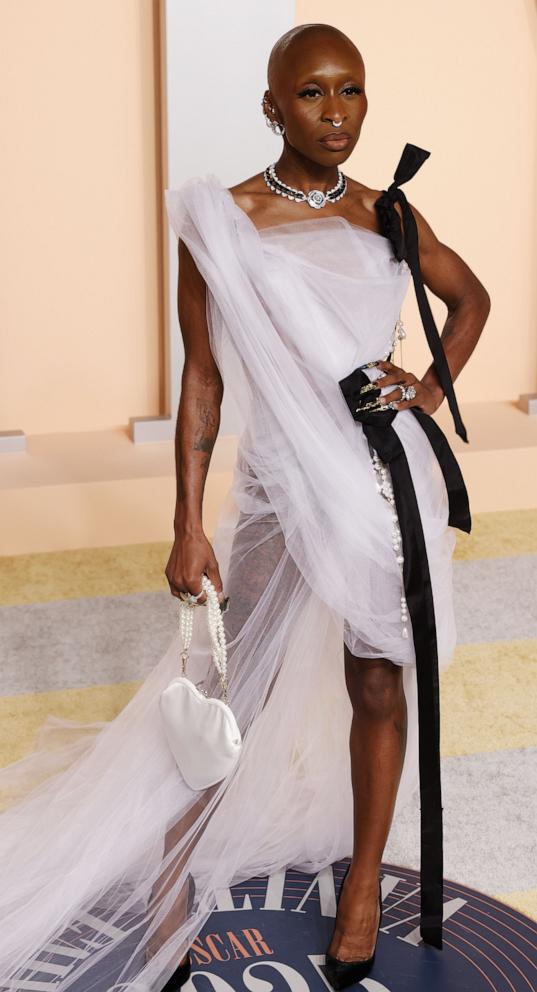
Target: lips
point(334, 134)
point(335, 141)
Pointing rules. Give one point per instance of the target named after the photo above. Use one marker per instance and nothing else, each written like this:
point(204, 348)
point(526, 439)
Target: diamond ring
point(410, 392)
point(188, 597)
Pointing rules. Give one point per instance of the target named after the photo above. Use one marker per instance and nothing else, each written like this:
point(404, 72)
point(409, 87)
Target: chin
point(336, 157)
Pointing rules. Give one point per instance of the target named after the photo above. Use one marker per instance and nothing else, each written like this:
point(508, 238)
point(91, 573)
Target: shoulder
point(362, 198)
point(427, 239)
point(361, 203)
point(426, 236)
point(254, 197)
point(248, 187)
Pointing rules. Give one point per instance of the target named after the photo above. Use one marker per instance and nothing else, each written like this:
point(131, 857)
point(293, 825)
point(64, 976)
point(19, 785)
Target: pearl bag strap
point(215, 623)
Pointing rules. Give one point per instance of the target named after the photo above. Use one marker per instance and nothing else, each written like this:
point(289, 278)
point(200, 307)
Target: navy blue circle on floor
point(271, 933)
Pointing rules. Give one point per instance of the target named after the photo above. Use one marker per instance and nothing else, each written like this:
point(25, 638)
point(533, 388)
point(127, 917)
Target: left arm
point(449, 277)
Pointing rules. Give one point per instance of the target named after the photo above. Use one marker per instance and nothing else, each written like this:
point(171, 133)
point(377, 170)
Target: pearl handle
point(215, 623)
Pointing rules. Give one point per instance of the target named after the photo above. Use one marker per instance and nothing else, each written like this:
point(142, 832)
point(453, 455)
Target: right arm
point(198, 421)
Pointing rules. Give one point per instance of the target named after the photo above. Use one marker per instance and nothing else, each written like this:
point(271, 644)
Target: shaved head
point(304, 36)
point(315, 74)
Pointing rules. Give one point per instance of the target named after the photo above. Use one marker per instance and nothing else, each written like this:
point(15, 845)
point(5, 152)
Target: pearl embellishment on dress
point(385, 488)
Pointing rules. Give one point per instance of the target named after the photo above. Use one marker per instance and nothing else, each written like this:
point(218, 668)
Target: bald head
point(301, 39)
point(315, 73)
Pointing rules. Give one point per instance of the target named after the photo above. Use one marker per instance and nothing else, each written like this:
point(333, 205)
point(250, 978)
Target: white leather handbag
point(201, 730)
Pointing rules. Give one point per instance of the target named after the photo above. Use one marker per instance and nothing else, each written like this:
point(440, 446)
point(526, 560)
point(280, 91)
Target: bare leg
point(169, 876)
point(257, 549)
point(377, 746)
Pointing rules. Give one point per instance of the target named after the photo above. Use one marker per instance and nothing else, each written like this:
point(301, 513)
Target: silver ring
point(403, 392)
point(410, 392)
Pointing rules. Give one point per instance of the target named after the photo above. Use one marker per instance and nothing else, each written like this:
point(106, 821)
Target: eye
point(311, 92)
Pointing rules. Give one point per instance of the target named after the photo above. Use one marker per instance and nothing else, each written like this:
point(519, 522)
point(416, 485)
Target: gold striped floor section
point(488, 697)
point(21, 716)
point(498, 535)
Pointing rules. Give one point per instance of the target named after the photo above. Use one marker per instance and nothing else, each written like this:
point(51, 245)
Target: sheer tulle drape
point(102, 832)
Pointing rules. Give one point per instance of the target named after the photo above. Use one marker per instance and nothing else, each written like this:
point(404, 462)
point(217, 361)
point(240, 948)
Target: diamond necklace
point(315, 198)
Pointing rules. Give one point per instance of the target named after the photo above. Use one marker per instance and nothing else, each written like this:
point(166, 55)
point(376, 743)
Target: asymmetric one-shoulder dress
point(321, 542)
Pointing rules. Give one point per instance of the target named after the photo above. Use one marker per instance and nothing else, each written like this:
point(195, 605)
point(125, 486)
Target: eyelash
point(357, 89)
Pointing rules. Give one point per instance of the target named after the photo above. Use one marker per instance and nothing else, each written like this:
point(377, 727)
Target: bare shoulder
point(361, 201)
point(368, 195)
point(428, 240)
point(248, 187)
point(362, 195)
point(361, 204)
point(253, 196)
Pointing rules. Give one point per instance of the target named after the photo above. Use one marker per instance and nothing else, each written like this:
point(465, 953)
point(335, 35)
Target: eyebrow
point(314, 82)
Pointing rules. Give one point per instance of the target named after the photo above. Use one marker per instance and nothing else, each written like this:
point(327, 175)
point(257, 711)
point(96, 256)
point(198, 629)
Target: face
point(319, 82)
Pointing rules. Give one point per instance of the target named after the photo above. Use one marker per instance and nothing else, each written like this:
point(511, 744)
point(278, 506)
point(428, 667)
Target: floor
point(80, 629)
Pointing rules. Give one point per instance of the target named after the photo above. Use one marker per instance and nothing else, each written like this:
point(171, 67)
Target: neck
point(302, 173)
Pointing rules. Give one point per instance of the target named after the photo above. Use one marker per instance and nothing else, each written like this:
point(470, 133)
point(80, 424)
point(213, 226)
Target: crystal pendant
point(316, 198)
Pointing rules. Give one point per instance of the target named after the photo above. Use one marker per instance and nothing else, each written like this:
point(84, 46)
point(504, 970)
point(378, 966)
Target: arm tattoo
point(206, 432)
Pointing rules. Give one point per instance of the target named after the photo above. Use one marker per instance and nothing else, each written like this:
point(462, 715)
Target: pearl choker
point(315, 198)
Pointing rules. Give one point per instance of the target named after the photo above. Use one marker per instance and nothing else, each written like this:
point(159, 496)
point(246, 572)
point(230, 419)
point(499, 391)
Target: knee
point(376, 693)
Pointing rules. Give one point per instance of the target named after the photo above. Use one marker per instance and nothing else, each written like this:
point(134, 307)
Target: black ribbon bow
point(378, 428)
point(405, 246)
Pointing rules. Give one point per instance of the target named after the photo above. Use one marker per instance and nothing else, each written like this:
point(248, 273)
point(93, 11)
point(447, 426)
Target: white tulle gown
point(305, 547)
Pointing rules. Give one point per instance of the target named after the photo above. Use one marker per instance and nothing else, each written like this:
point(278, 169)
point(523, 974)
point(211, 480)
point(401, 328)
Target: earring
point(275, 126)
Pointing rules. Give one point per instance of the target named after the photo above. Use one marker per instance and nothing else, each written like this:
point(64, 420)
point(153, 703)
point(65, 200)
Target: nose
point(334, 116)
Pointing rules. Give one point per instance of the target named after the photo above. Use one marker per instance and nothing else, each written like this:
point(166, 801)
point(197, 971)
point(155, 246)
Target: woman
point(332, 562)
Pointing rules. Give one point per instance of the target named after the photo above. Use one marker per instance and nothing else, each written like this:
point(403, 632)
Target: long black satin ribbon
point(405, 246)
point(378, 429)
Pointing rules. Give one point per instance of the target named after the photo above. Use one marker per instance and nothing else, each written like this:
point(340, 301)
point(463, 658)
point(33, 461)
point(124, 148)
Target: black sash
point(377, 426)
point(405, 246)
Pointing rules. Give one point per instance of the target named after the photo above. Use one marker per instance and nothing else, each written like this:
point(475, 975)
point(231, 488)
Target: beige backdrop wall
point(80, 195)
point(79, 200)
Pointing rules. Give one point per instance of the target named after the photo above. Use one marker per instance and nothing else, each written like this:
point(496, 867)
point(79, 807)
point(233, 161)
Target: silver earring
point(274, 126)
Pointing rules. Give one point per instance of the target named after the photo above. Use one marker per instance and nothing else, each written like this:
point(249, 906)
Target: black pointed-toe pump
point(340, 974)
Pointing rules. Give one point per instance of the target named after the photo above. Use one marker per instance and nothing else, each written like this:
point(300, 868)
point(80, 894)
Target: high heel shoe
point(340, 974)
point(182, 972)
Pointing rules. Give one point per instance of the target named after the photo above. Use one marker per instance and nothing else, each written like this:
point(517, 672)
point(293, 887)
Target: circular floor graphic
point(270, 934)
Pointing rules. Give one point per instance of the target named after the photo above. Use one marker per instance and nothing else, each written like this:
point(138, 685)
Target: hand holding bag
point(202, 732)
